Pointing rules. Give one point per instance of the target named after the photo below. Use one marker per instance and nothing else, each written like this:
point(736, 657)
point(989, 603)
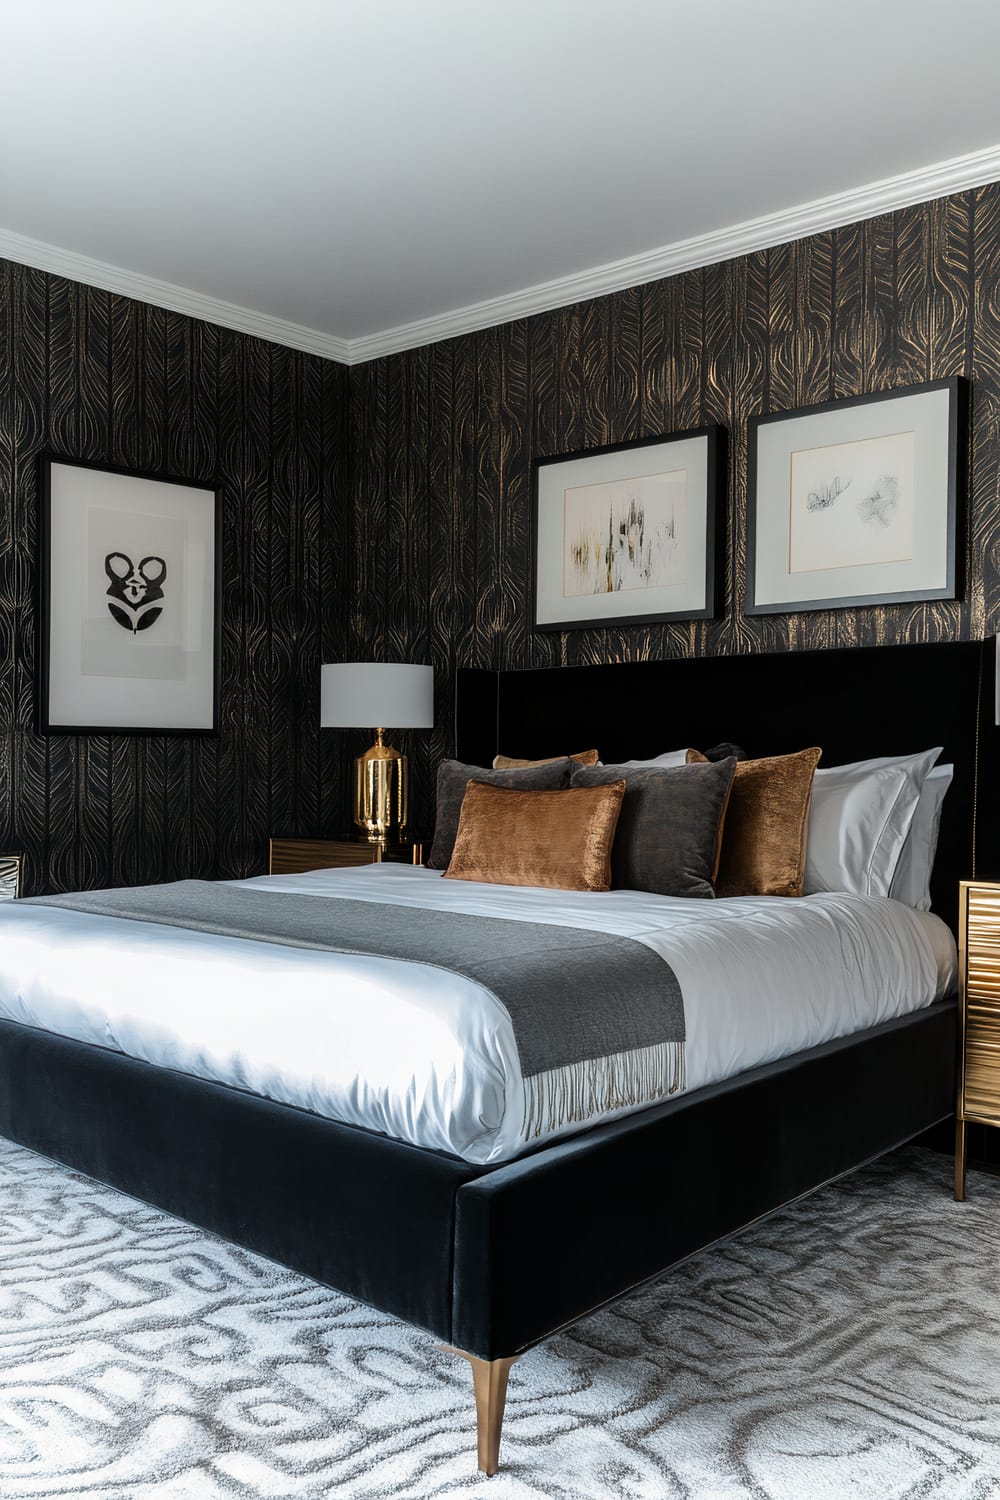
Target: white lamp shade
point(376, 695)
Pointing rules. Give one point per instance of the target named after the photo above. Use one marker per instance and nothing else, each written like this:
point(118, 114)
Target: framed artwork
point(627, 534)
point(856, 501)
point(129, 602)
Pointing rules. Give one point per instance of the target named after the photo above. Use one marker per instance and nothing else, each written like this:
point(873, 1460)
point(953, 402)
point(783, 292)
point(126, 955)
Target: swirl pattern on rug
point(846, 1348)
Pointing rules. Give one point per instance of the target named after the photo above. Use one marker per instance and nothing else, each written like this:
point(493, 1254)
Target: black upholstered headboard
point(886, 700)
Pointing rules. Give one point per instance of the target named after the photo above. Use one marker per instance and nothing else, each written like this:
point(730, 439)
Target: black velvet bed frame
point(492, 1259)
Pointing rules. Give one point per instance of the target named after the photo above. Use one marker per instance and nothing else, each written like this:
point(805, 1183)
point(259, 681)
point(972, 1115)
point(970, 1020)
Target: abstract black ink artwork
point(135, 590)
point(130, 602)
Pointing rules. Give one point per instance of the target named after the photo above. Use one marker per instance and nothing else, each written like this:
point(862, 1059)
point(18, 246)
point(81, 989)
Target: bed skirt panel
point(544, 1239)
point(490, 1259)
point(370, 1216)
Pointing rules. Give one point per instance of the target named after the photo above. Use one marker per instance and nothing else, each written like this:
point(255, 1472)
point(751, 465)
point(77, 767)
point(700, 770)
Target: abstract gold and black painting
point(625, 535)
point(627, 532)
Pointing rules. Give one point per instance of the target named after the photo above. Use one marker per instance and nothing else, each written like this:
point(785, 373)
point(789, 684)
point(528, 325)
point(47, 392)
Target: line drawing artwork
point(624, 535)
point(824, 494)
point(851, 504)
point(876, 507)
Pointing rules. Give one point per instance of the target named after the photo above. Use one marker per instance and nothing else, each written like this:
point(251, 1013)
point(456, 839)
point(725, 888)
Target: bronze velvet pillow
point(558, 839)
point(453, 777)
point(764, 837)
point(668, 832)
point(582, 758)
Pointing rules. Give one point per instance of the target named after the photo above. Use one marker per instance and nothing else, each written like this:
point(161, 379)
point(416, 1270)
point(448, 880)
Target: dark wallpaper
point(91, 375)
point(442, 438)
point(384, 512)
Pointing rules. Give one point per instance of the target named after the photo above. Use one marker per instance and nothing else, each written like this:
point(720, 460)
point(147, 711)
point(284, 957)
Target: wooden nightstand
point(294, 856)
point(979, 1002)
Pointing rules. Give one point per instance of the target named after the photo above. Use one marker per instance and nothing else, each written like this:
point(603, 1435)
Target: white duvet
point(430, 1058)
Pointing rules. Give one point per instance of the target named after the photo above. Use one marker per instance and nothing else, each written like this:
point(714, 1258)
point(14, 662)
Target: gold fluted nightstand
point(296, 856)
point(979, 1002)
point(11, 871)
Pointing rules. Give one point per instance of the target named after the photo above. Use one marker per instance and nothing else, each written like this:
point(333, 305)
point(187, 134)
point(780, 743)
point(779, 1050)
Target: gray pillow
point(454, 777)
point(668, 831)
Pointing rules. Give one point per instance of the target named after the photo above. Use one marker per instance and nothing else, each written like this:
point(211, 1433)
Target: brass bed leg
point(960, 1132)
point(489, 1381)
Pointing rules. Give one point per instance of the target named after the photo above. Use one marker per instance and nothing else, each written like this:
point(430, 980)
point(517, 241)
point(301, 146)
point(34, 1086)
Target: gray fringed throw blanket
point(598, 1019)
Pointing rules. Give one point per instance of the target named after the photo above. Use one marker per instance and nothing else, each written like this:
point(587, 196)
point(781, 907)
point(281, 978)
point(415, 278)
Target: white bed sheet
point(430, 1058)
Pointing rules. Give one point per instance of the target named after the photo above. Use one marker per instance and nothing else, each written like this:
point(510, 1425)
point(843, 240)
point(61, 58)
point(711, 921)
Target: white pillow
point(859, 820)
point(668, 758)
point(911, 883)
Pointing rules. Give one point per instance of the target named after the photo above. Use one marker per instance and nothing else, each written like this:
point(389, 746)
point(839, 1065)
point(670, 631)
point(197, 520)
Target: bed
point(469, 1225)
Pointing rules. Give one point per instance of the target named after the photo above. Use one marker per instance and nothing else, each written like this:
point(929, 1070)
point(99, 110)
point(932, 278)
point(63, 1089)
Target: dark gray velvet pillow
point(668, 831)
point(454, 777)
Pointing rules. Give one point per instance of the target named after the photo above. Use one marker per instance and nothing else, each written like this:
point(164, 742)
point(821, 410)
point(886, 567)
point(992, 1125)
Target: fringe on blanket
point(579, 1091)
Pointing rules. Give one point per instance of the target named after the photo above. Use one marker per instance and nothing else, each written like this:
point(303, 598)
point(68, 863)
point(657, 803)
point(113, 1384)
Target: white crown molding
point(921, 186)
point(109, 278)
point(959, 173)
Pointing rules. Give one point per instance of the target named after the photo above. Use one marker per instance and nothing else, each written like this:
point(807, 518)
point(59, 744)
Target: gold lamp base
point(381, 788)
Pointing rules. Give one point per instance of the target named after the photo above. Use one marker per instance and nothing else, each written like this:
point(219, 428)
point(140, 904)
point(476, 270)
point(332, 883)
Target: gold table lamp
point(358, 694)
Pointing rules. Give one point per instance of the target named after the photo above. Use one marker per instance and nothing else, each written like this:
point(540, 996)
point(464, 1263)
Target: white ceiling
point(354, 167)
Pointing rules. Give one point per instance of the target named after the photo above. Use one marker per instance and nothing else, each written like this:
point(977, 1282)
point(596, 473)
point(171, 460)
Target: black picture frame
point(715, 439)
point(958, 394)
point(46, 722)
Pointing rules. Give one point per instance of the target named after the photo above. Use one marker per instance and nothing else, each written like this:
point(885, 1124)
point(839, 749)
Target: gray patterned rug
point(847, 1348)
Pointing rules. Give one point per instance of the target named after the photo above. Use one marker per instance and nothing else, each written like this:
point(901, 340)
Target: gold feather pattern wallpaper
point(87, 374)
point(384, 511)
point(442, 438)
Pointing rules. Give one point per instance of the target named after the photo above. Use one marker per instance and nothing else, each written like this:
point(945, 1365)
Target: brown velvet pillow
point(557, 839)
point(452, 779)
point(764, 835)
point(582, 758)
